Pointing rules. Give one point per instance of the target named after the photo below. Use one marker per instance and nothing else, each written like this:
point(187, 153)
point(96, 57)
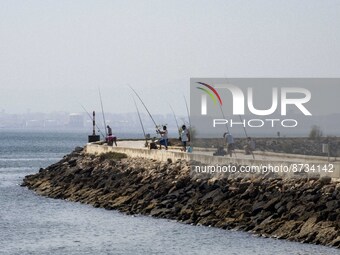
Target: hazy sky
point(55, 54)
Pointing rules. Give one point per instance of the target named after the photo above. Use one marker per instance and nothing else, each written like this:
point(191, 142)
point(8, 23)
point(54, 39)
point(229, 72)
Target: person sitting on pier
point(153, 145)
point(164, 139)
point(230, 143)
point(110, 139)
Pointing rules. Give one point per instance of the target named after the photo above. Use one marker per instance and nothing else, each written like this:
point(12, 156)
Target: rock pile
point(306, 210)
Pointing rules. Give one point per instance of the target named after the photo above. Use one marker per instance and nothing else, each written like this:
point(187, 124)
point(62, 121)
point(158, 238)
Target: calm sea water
point(31, 224)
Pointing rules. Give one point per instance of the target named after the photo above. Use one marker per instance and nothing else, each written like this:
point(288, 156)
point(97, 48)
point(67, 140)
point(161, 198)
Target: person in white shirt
point(164, 139)
point(185, 137)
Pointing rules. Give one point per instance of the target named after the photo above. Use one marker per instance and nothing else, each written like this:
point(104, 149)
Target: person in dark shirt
point(109, 130)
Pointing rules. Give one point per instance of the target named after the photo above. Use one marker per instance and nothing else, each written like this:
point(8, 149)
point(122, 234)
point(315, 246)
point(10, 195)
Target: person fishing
point(249, 147)
point(153, 145)
point(146, 136)
point(109, 130)
point(164, 137)
point(230, 143)
point(185, 137)
point(110, 139)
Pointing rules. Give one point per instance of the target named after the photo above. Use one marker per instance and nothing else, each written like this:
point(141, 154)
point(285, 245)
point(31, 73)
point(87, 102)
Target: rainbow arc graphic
point(211, 91)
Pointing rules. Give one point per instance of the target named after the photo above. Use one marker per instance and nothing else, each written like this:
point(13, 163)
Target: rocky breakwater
point(305, 210)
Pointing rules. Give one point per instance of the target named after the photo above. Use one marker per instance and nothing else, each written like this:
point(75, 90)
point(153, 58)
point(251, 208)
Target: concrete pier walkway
point(310, 164)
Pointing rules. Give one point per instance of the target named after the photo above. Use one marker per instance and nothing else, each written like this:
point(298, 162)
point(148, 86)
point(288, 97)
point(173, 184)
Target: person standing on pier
point(185, 137)
point(249, 147)
point(164, 139)
point(230, 143)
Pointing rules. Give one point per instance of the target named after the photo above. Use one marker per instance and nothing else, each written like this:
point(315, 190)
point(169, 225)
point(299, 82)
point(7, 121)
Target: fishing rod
point(244, 128)
point(91, 119)
point(101, 103)
point(190, 130)
point(140, 120)
point(186, 105)
point(227, 127)
point(224, 118)
point(154, 122)
point(173, 112)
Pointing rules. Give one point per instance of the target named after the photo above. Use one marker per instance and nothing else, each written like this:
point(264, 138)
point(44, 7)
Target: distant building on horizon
point(76, 120)
point(34, 123)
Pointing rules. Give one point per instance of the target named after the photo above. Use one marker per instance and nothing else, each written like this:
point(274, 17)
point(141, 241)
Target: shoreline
point(304, 210)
